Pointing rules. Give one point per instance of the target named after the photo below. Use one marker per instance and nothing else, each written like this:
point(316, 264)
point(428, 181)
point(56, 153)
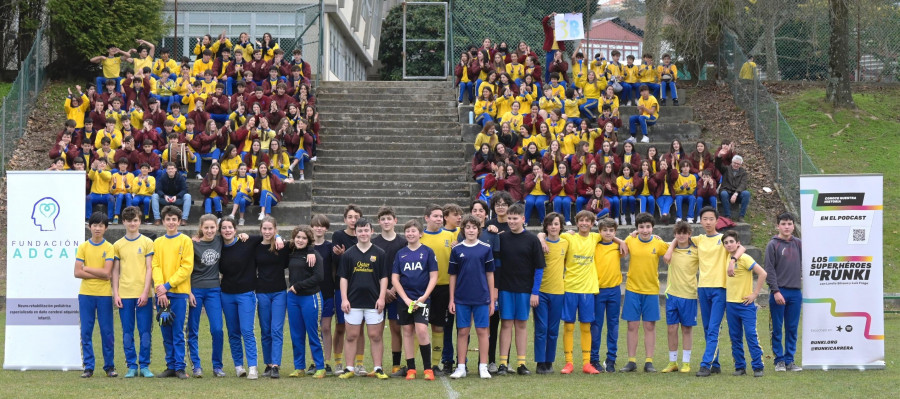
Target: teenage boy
point(440, 241)
point(111, 64)
point(607, 302)
point(415, 274)
point(453, 215)
point(500, 203)
point(649, 112)
point(173, 263)
point(391, 243)
point(668, 74)
point(343, 240)
point(783, 268)
point(120, 188)
point(648, 74)
point(681, 297)
point(519, 286)
point(471, 273)
point(320, 224)
point(551, 305)
point(132, 279)
point(93, 265)
point(363, 289)
point(171, 187)
point(100, 184)
point(630, 71)
point(142, 189)
point(741, 307)
point(642, 290)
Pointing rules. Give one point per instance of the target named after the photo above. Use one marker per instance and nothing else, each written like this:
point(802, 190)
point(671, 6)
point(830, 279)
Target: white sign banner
point(843, 273)
point(568, 27)
point(45, 225)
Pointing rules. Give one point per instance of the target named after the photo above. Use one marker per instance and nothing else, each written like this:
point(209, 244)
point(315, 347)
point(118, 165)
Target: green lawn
point(827, 384)
point(4, 90)
point(862, 141)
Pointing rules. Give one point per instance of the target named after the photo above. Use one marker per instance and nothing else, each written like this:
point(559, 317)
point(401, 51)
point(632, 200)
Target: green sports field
point(55, 384)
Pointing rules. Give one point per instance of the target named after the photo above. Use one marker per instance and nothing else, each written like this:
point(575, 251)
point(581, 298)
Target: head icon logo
point(44, 213)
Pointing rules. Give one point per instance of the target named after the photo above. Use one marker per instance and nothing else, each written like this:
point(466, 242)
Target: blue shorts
point(514, 305)
point(638, 307)
point(681, 311)
point(332, 307)
point(582, 304)
point(391, 309)
point(465, 313)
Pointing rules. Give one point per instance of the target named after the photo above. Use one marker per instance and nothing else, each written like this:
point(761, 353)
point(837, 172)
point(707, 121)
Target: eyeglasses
point(501, 205)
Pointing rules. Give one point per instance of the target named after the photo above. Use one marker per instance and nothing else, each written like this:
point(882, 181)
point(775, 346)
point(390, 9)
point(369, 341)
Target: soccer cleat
point(181, 375)
point(715, 370)
point(492, 368)
point(146, 373)
point(567, 369)
point(311, 369)
point(685, 368)
point(459, 373)
point(239, 371)
point(297, 374)
point(739, 372)
point(399, 372)
point(630, 367)
point(198, 373)
point(448, 368)
point(328, 370)
point(780, 366)
point(131, 373)
point(379, 374)
point(703, 372)
point(758, 373)
point(411, 374)
point(548, 368)
point(395, 369)
point(218, 373)
point(338, 369)
point(274, 373)
point(111, 372)
point(167, 373)
point(610, 366)
point(648, 367)
point(267, 372)
point(253, 374)
point(672, 366)
point(502, 370)
point(589, 369)
point(88, 373)
point(347, 374)
point(437, 371)
point(319, 374)
point(793, 367)
point(483, 371)
point(522, 370)
point(429, 375)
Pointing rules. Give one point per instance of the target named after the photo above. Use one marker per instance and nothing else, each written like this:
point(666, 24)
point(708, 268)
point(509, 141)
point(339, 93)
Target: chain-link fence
point(789, 39)
point(773, 134)
point(291, 26)
point(22, 95)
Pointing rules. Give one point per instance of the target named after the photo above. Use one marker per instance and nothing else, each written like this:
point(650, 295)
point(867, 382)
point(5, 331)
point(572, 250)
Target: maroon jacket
point(77, 137)
point(123, 153)
point(202, 142)
point(635, 161)
point(71, 152)
point(480, 168)
point(139, 157)
point(583, 188)
point(199, 117)
point(283, 100)
point(545, 184)
point(305, 69)
point(575, 163)
point(639, 185)
point(269, 86)
point(263, 101)
point(259, 68)
point(616, 161)
point(612, 190)
point(549, 35)
point(293, 85)
point(274, 181)
point(706, 192)
point(532, 123)
point(472, 71)
point(556, 187)
point(599, 205)
point(663, 179)
point(159, 141)
point(221, 188)
point(213, 107)
point(562, 69)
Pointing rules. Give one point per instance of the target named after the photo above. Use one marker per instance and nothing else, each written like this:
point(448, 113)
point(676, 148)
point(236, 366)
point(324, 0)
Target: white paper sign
point(568, 27)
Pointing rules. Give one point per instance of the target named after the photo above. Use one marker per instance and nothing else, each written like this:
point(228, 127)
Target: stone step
point(390, 200)
point(665, 113)
point(296, 191)
point(379, 84)
point(386, 160)
point(364, 152)
point(338, 109)
point(355, 182)
point(661, 132)
point(370, 98)
point(329, 102)
point(362, 192)
point(344, 137)
point(443, 178)
point(408, 116)
point(377, 129)
point(425, 126)
point(344, 167)
point(335, 212)
point(397, 92)
point(289, 210)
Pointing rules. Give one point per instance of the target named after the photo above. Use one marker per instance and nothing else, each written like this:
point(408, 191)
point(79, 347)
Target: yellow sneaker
point(319, 374)
point(297, 374)
point(379, 373)
point(395, 369)
point(685, 368)
point(673, 366)
point(347, 375)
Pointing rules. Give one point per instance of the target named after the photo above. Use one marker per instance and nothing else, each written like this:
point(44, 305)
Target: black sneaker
point(703, 372)
point(400, 373)
point(662, 102)
point(675, 102)
point(522, 370)
point(540, 368)
point(758, 373)
point(629, 368)
point(274, 373)
point(448, 368)
point(311, 369)
point(715, 370)
point(739, 372)
point(548, 367)
point(111, 372)
point(610, 367)
point(437, 371)
point(648, 367)
point(328, 370)
point(167, 373)
point(268, 372)
point(502, 370)
point(181, 375)
point(88, 373)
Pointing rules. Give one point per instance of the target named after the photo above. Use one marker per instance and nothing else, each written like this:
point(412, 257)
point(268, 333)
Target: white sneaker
point(239, 371)
point(302, 178)
point(199, 176)
point(262, 215)
point(241, 222)
point(630, 140)
point(253, 374)
point(483, 371)
point(314, 159)
point(361, 371)
point(568, 223)
point(461, 373)
point(621, 220)
point(677, 220)
point(338, 369)
point(645, 139)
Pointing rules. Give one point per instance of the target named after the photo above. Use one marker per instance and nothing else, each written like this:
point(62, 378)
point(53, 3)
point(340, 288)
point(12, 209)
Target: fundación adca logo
point(44, 213)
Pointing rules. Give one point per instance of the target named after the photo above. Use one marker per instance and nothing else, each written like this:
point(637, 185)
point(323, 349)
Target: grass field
point(861, 141)
point(4, 90)
point(879, 383)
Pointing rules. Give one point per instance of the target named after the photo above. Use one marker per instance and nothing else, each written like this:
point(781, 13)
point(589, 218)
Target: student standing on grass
point(93, 265)
point(415, 274)
point(319, 224)
point(132, 279)
point(206, 293)
point(271, 297)
point(363, 287)
point(741, 307)
point(607, 302)
point(173, 262)
point(783, 268)
point(550, 307)
point(304, 302)
point(391, 243)
point(343, 240)
point(681, 297)
point(471, 273)
point(440, 241)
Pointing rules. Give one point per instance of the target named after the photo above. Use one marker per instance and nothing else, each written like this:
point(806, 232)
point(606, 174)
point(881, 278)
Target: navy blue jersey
point(414, 268)
point(470, 264)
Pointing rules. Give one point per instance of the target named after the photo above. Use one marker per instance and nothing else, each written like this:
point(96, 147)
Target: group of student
point(244, 107)
point(482, 268)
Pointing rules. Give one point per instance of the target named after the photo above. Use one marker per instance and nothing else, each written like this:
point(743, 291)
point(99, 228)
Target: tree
point(79, 34)
point(422, 58)
point(696, 30)
point(837, 88)
point(653, 32)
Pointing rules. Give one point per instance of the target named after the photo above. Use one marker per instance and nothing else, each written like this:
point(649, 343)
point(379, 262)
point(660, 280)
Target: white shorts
point(356, 316)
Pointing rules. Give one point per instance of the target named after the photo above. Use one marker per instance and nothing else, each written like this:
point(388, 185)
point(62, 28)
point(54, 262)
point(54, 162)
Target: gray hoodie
point(784, 263)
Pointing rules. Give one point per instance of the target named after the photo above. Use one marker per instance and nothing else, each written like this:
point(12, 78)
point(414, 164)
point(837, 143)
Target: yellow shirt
point(265, 185)
point(550, 104)
point(643, 268)
point(630, 73)
point(713, 260)
point(484, 107)
point(200, 67)
point(622, 183)
point(281, 162)
point(579, 73)
point(648, 74)
point(570, 107)
point(646, 189)
point(112, 67)
point(139, 188)
point(558, 90)
point(439, 242)
point(538, 140)
point(613, 104)
point(173, 262)
point(486, 84)
point(132, 256)
point(515, 121)
point(568, 144)
point(741, 285)
point(690, 181)
point(670, 69)
point(95, 256)
point(683, 269)
point(556, 127)
point(581, 272)
point(140, 63)
point(504, 105)
point(207, 88)
point(465, 75)
point(599, 68)
point(594, 90)
point(608, 265)
point(122, 183)
point(555, 270)
point(748, 70)
point(537, 186)
point(481, 138)
point(614, 70)
point(159, 65)
point(649, 103)
point(230, 166)
point(525, 100)
point(179, 122)
point(515, 71)
point(241, 185)
point(100, 182)
point(77, 113)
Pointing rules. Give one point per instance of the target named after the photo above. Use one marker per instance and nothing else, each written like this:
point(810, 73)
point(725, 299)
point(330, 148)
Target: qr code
point(858, 236)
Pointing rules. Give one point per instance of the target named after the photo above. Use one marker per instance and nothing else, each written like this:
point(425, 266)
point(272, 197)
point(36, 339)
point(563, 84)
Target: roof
point(621, 23)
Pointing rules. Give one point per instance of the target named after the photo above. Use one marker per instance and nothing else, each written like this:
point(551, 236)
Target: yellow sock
point(504, 360)
point(568, 340)
point(339, 358)
point(648, 360)
point(585, 343)
point(359, 359)
point(520, 360)
point(632, 359)
point(437, 342)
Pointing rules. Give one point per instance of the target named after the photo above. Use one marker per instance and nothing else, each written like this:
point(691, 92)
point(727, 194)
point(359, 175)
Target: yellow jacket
point(173, 262)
